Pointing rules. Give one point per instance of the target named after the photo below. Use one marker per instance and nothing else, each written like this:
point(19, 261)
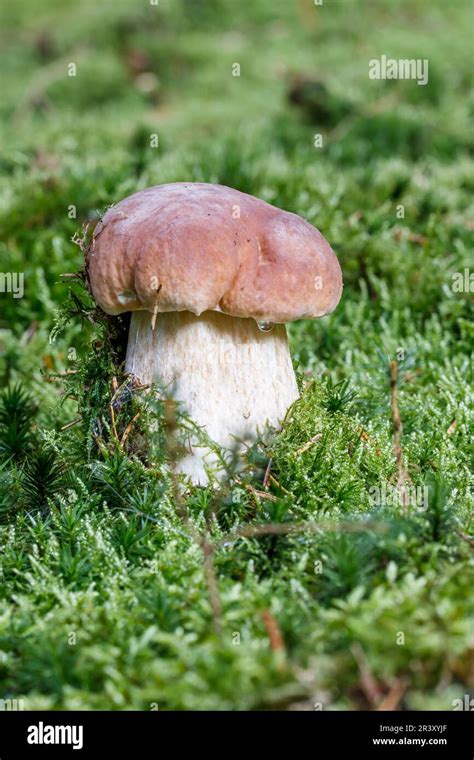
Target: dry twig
point(392, 699)
point(465, 537)
point(308, 444)
point(275, 636)
point(402, 475)
point(368, 683)
point(128, 429)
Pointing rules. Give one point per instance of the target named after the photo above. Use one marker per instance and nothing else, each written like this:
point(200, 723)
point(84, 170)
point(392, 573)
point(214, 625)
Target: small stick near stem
point(397, 435)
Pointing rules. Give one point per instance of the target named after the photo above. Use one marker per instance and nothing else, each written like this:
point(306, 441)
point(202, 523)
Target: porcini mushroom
point(212, 275)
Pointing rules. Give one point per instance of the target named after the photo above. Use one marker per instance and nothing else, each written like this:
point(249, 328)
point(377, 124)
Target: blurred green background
point(134, 592)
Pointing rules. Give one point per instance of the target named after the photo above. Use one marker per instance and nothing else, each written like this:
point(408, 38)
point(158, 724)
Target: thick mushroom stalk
point(231, 377)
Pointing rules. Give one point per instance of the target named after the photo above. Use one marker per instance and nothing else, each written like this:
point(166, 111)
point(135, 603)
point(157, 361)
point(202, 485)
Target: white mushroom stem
point(230, 377)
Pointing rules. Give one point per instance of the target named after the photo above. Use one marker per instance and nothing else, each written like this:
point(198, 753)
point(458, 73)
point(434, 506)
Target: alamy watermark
point(49, 734)
point(463, 282)
point(226, 354)
point(395, 496)
point(12, 704)
point(12, 282)
point(467, 703)
point(401, 68)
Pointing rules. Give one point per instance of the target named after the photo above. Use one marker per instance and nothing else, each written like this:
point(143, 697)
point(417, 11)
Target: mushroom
point(212, 275)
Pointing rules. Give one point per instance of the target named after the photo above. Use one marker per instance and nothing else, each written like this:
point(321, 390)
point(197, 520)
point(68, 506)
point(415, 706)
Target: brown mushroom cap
point(199, 247)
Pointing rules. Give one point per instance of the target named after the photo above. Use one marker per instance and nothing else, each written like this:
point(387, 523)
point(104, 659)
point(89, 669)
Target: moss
point(107, 602)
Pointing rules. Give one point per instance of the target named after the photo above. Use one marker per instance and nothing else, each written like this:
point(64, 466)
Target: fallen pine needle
point(267, 473)
point(308, 444)
point(128, 429)
point(261, 494)
point(71, 424)
point(274, 634)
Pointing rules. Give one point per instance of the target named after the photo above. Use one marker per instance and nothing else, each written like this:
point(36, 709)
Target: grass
point(118, 591)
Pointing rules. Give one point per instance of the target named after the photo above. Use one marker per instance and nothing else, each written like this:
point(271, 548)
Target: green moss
point(105, 594)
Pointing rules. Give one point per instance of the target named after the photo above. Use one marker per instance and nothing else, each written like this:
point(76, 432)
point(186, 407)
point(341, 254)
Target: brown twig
point(308, 444)
point(112, 418)
point(402, 475)
point(275, 482)
point(281, 529)
point(396, 419)
point(275, 635)
point(465, 537)
point(211, 582)
point(208, 549)
point(392, 699)
point(267, 474)
point(29, 333)
point(127, 430)
point(368, 683)
point(203, 541)
point(71, 424)
point(262, 494)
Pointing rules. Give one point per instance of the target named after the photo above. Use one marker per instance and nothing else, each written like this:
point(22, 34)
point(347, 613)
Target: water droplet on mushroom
point(265, 326)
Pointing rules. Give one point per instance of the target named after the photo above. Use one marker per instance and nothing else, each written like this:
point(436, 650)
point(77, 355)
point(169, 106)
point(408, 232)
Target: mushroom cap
point(199, 247)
